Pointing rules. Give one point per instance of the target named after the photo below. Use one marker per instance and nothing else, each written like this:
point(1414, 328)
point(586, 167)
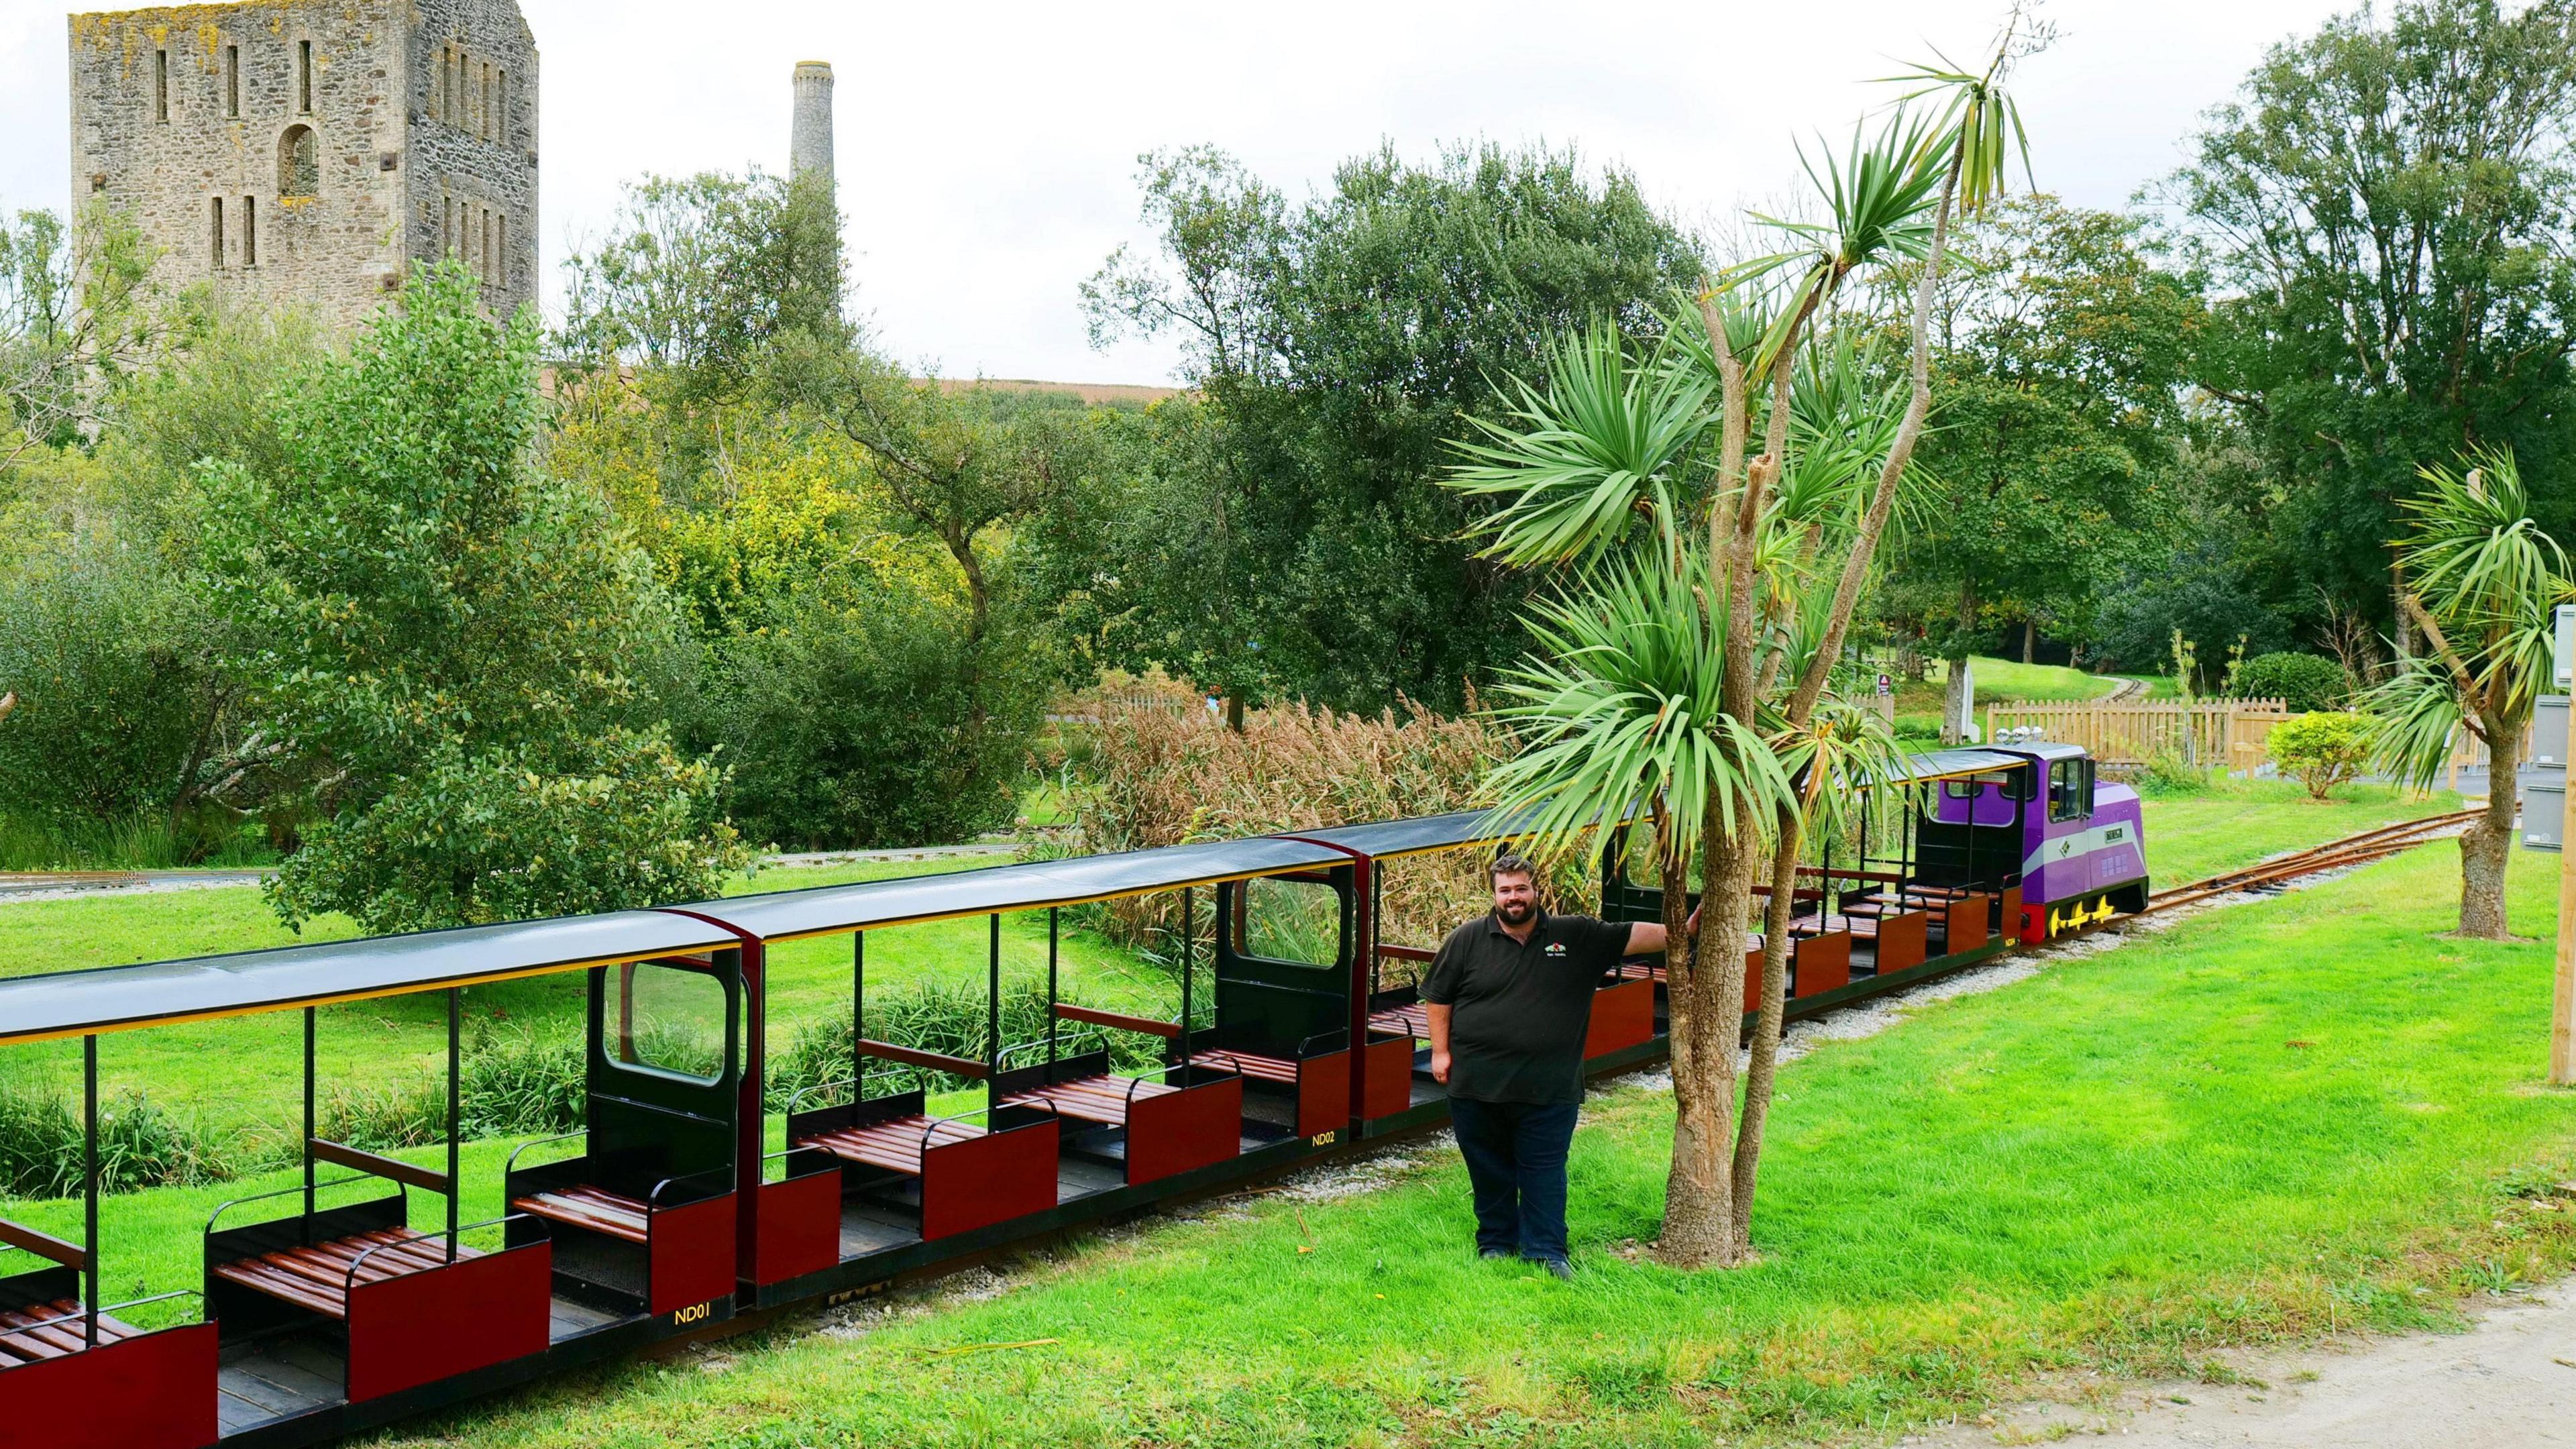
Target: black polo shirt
point(1519, 1010)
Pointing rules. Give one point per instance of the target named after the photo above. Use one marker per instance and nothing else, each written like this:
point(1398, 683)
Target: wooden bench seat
point(895, 1144)
point(1862, 928)
point(597, 1209)
point(318, 1278)
point(1280, 1070)
point(51, 1330)
point(1413, 1020)
point(1101, 1099)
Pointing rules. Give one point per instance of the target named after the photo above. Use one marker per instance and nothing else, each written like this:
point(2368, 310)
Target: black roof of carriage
point(823, 910)
point(158, 993)
point(1949, 764)
point(1386, 838)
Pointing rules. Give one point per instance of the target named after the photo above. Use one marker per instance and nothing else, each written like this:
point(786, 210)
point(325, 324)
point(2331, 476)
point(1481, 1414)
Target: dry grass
point(1162, 778)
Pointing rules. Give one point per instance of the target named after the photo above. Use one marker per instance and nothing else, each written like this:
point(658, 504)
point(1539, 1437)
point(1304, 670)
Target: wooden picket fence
point(2225, 733)
point(2233, 734)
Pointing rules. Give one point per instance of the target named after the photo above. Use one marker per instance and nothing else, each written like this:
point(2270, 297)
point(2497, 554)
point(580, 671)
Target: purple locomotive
point(2033, 814)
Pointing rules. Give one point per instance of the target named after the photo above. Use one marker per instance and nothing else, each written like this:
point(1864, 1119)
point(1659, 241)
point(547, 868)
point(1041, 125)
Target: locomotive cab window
point(2070, 790)
point(665, 1021)
point(1299, 922)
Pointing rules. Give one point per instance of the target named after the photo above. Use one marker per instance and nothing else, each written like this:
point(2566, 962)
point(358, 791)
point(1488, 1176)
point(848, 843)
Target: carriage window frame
point(2076, 800)
point(1239, 930)
point(2011, 785)
point(615, 1038)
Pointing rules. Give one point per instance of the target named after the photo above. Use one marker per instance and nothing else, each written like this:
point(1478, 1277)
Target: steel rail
point(2355, 849)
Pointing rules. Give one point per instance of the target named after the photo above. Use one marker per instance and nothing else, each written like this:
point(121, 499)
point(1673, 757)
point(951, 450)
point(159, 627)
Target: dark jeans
point(1515, 1155)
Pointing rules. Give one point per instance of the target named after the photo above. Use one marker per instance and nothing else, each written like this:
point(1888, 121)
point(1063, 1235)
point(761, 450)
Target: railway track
point(2357, 849)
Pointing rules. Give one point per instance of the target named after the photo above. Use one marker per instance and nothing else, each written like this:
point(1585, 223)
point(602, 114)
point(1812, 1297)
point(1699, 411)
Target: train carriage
point(345, 1302)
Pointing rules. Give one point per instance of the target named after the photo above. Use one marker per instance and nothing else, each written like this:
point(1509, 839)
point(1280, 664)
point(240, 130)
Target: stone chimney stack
point(809, 149)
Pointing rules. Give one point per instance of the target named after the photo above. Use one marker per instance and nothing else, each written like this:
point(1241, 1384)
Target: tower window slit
point(215, 235)
point(232, 82)
point(304, 76)
point(161, 85)
point(250, 231)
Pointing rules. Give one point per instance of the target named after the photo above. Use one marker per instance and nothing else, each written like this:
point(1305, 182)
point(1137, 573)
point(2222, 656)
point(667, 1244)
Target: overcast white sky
point(987, 152)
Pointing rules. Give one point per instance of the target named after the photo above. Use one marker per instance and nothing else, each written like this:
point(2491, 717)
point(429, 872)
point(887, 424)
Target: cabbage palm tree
point(2482, 583)
point(1688, 682)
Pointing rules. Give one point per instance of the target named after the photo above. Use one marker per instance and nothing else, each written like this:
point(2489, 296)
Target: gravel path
point(2509, 1382)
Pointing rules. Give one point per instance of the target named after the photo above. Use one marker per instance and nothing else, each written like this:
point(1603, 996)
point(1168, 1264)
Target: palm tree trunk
point(2489, 843)
point(1765, 1066)
point(1707, 1021)
point(1802, 708)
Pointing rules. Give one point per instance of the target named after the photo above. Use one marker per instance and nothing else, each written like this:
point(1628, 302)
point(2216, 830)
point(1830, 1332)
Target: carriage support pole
point(455, 1115)
point(89, 1188)
point(1189, 936)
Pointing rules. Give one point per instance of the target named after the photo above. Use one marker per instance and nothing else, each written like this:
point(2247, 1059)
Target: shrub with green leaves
point(112, 660)
point(2301, 681)
point(457, 634)
point(2323, 749)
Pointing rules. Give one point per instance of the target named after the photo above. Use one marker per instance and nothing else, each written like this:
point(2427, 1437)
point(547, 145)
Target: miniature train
point(669, 1212)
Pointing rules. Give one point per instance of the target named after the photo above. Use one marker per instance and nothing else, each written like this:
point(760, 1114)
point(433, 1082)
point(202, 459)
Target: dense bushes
point(850, 725)
point(2301, 681)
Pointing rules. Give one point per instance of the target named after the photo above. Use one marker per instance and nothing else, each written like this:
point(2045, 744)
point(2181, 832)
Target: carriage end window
point(1289, 920)
point(2070, 790)
point(667, 1020)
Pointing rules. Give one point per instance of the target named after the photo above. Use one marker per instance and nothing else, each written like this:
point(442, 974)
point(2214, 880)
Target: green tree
point(2061, 350)
point(1693, 684)
point(2481, 582)
point(1301, 544)
point(78, 316)
point(2388, 206)
point(455, 634)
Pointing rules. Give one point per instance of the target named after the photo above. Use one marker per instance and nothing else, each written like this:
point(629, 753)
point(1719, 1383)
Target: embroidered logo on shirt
point(1556, 948)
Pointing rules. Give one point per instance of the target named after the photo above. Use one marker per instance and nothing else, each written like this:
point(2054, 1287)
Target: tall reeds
point(1159, 777)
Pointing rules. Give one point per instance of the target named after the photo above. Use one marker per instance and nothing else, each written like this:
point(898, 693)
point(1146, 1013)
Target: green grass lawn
point(245, 1074)
point(2276, 1119)
point(2238, 822)
point(2000, 681)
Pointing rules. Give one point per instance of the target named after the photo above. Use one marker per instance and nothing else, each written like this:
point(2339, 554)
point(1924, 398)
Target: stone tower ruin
point(307, 152)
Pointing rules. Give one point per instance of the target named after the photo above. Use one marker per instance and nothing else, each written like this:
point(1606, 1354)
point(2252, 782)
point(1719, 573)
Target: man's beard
point(1516, 912)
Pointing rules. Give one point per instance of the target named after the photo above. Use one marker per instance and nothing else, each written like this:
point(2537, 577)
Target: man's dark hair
point(1509, 863)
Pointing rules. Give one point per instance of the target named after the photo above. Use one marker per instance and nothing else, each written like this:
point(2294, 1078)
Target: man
point(1510, 997)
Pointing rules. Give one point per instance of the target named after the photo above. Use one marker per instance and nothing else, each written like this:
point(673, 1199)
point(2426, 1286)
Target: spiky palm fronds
point(2489, 578)
point(1620, 711)
point(1608, 439)
point(1845, 752)
point(2415, 717)
point(1980, 124)
point(1879, 197)
point(1844, 419)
